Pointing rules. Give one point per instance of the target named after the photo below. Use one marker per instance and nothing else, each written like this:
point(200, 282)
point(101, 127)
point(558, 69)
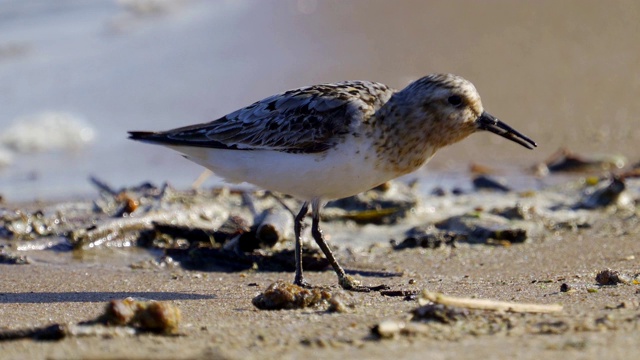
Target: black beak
point(488, 122)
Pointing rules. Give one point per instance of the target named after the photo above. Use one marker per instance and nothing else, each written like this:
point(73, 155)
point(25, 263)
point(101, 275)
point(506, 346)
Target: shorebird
point(331, 141)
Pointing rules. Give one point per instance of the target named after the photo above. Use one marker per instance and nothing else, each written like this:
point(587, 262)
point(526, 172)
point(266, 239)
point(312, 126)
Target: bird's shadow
point(86, 296)
point(219, 260)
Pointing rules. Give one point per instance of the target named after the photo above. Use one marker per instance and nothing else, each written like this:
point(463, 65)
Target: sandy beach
point(569, 238)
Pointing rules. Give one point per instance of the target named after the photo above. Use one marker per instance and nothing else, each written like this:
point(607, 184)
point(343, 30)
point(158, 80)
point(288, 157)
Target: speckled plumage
point(335, 140)
point(306, 120)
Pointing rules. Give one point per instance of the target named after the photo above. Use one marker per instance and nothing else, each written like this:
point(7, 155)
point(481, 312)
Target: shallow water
point(564, 73)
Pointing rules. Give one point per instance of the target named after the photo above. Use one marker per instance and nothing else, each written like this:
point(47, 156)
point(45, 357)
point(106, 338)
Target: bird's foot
point(350, 283)
point(300, 281)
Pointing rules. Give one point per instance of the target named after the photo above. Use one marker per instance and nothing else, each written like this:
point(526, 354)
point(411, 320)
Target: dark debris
point(440, 313)
point(485, 182)
point(13, 259)
point(429, 238)
point(611, 277)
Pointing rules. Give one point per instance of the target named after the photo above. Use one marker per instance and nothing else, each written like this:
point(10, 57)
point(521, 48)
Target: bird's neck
point(399, 138)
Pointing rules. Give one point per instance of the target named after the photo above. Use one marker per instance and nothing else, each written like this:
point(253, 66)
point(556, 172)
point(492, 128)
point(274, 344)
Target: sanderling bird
point(330, 141)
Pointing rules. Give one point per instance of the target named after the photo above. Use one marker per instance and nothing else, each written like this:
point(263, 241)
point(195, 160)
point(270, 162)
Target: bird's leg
point(347, 282)
point(297, 227)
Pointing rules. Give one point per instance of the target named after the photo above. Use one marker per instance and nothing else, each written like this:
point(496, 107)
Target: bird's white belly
point(340, 172)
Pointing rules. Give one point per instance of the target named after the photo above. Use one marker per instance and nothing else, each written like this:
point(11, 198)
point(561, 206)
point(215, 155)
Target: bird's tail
point(148, 137)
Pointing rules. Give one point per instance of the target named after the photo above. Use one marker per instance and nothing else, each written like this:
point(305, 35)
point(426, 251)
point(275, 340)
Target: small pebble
point(153, 316)
point(387, 329)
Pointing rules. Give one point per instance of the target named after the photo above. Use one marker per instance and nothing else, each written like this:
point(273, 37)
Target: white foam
point(47, 131)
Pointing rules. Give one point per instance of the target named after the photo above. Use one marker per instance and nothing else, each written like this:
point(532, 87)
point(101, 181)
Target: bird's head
point(450, 108)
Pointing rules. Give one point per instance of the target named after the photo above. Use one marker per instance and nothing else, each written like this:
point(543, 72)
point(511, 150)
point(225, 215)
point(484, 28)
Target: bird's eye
point(455, 100)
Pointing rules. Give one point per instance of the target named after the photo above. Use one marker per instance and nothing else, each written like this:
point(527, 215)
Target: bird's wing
point(305, 120)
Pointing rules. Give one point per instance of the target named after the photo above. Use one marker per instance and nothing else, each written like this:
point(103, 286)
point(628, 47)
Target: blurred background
point(75, 75)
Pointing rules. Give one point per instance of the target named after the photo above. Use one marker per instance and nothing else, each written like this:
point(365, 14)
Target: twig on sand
point(201, 179)
point(486, 304)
